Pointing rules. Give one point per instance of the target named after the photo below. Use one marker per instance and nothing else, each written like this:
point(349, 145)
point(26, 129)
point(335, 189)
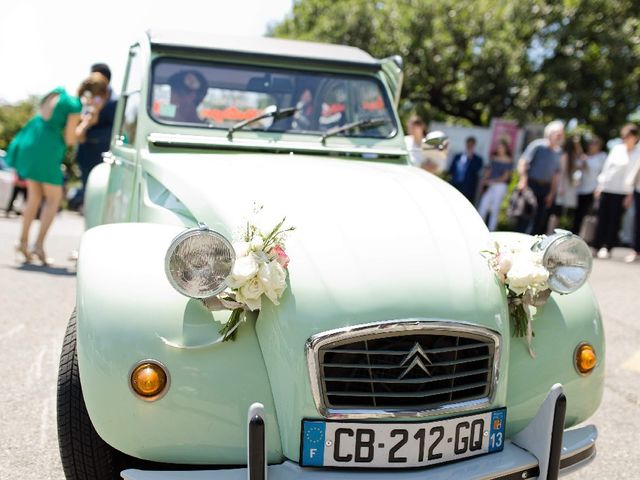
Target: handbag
point(522, 206)
point(588, 228)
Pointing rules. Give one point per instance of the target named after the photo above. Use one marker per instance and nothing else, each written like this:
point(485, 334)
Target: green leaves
point(13, 118)
point(471, 60)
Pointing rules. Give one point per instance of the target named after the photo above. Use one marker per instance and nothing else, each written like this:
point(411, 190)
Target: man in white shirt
point(539, 169)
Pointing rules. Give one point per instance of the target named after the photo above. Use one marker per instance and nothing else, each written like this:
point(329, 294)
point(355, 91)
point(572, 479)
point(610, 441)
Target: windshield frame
point(188, 61)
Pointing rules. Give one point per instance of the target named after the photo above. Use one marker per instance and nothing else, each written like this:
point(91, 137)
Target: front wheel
point(84, 455)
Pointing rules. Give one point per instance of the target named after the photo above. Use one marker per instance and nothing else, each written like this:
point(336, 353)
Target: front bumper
point(537, 460)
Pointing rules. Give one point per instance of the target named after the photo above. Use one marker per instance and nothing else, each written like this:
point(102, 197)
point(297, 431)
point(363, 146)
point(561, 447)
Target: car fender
point(128, 312)
point(560, 326)
point(94, 195)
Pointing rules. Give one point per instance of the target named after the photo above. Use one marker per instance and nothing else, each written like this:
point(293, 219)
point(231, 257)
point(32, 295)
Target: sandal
point(39, 253)
point(21, 248)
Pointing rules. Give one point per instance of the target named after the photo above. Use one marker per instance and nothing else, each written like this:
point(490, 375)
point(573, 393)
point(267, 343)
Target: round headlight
point(198, 262)
point(568, 259)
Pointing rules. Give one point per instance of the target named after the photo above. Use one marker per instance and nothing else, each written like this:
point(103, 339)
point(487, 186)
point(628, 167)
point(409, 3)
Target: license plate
point(400, 445)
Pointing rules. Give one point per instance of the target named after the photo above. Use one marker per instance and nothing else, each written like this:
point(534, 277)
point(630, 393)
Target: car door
point(123, 157)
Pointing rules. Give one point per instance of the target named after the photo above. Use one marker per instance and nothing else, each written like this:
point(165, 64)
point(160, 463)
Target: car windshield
point(217, 95)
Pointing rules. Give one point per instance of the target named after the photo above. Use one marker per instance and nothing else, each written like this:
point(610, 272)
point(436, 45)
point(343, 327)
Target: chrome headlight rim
point(201, 229)
point(547, 246)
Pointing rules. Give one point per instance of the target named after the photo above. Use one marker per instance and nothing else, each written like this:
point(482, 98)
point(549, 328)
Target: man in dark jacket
point(98, 137)
point(465, 170)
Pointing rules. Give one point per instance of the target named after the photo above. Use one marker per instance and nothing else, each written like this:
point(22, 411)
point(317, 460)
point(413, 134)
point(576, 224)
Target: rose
point(243, 270)
point(272, 278)
point(281, 257)
point(250, 294)
point(525, 274)
point(503, 265)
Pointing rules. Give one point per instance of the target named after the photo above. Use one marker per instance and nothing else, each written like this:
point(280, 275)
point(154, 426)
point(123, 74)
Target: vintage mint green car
point(390, 353)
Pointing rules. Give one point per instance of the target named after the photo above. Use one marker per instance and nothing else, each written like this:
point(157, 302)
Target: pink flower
point(281, 257)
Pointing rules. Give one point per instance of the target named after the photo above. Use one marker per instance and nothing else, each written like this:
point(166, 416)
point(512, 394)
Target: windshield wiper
point(271, 111)
point(361, 124)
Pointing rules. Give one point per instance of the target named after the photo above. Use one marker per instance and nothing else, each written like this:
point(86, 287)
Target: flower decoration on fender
point(530, 268)
point(260, 271)
point(520, 269)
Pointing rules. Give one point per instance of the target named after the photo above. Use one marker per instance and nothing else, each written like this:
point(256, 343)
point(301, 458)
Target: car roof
point(275, 48)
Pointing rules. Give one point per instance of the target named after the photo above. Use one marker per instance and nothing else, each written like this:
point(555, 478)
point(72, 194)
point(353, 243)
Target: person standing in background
point(98, 137)
point(417, 130)
point(37, 152)
point(539, 169)
point(614, 189)
point(497, 180)
point(566, 200)
point(633, 182)
point(589, 167)
point(465, 170)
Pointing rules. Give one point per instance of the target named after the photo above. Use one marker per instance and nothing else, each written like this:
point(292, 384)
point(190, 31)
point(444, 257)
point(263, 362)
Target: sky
point(47, 43)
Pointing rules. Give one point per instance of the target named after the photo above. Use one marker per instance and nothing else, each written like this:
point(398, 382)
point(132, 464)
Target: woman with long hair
point(496, 180)
point(589, 167)
point(566, 199)
point(37, 152)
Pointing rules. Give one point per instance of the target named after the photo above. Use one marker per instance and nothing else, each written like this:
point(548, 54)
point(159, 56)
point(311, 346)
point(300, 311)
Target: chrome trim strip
point(427, 325)
point(179, 140)
point(578, 460)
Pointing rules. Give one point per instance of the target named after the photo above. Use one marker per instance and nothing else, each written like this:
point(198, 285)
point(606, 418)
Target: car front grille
point(416, 370)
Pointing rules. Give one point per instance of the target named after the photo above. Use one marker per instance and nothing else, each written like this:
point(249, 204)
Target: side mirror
point(436, 140)
point(435, 148)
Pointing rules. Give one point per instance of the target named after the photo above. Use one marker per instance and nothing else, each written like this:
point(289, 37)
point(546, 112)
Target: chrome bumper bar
point(543, 450)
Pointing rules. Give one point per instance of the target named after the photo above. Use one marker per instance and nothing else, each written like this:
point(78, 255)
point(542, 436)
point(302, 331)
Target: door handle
point(110, 159)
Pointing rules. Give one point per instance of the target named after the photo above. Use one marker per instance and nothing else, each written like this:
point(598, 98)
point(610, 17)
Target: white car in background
point(7, 182)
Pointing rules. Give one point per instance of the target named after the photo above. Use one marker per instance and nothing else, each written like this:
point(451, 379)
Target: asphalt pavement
point(35, 304)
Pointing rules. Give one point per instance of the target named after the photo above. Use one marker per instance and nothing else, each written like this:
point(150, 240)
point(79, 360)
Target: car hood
point(373, 242)
point(370, 236)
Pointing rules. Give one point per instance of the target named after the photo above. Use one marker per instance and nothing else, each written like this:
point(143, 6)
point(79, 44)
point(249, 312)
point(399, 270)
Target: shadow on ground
point(51, 270)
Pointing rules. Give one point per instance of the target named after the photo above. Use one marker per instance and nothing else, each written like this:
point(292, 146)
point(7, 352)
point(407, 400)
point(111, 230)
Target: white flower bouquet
point(260, 270)
point(522, 273)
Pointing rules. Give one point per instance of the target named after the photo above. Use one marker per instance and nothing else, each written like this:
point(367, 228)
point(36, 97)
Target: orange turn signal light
point(149, 380)
point(585, 358)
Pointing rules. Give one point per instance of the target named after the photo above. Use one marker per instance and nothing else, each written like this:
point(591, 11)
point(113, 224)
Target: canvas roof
point(264, 46)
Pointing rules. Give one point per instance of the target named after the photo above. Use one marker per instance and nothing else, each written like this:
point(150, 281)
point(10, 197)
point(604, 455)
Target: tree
point(592, 70)
point(13, 118)
point(471, 60)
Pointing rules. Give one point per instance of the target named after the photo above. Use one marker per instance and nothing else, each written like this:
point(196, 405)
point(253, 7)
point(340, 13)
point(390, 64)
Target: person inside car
point(188, 89)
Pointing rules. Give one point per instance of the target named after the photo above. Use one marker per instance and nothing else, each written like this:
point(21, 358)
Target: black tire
point(84, 455)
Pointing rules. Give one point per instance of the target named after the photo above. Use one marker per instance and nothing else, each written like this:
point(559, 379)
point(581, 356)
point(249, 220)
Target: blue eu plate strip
point(496, 432)
point(313, 444)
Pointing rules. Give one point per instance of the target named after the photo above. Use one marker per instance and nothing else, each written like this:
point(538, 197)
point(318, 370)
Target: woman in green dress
point(37, 152)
